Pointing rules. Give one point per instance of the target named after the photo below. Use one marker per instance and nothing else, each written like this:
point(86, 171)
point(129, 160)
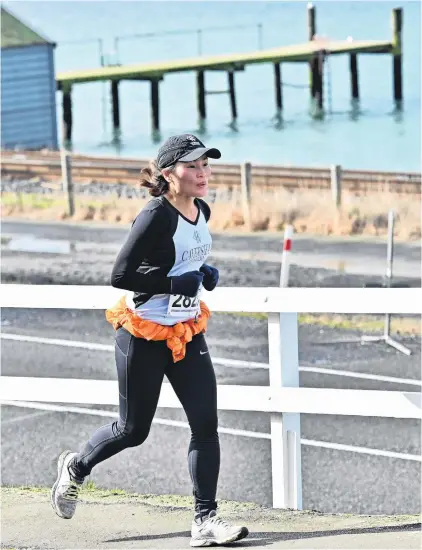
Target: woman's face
point(190, 179)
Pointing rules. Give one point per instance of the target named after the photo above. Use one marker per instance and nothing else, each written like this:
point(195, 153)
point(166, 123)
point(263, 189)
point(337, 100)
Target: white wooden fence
point(283, 398)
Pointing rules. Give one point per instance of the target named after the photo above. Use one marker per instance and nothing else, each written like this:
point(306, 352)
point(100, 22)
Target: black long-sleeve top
point(161, 243)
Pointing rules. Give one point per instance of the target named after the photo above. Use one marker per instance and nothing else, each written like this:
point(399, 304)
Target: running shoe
point(64, 494)
point(213, 530)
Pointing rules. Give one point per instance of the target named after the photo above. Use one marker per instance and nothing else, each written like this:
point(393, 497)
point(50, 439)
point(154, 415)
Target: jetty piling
point(397, 23)
point(314, 53)
point(316, 65)
point(67, 113)
point(311, 21)
point(311, 34)
point(317, 71)
point(278, 88)
point(115, 104)
point(200, 88)
point(354, 80)
point(232, 93)
point(155, 104)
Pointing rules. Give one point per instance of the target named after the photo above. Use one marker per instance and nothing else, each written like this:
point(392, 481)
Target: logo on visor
point(193, 140)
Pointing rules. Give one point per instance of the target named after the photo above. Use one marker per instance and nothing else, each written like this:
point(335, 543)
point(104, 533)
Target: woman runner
point(160, 325)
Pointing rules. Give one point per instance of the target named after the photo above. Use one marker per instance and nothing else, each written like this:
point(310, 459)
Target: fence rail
point(283, 399)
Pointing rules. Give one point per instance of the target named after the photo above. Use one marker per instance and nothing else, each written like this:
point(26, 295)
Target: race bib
point(183, 305)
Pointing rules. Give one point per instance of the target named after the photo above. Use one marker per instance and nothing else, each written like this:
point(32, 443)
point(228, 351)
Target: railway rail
point(90, 169)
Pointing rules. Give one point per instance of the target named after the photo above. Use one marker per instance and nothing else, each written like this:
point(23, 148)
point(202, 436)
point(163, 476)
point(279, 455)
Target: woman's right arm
point(142, 238)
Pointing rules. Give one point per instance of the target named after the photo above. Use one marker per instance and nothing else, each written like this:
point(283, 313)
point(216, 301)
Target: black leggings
point(141, 366)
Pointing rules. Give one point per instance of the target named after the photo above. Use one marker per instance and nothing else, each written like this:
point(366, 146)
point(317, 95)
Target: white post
point(285, 428)
point(285, 257)
point(284, 371)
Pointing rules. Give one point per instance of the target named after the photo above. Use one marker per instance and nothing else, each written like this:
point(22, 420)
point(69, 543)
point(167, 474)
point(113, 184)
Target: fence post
point(285, 428)
point(284, 371)
point(66, 163)
point(336, 184)
point(245, 186)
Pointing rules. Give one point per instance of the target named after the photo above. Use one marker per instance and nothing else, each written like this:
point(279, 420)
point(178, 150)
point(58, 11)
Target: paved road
point(357, 256)
point(333, 480)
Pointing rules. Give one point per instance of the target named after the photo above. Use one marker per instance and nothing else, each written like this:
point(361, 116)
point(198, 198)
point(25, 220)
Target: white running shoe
point(213, 530)
point(64, 494)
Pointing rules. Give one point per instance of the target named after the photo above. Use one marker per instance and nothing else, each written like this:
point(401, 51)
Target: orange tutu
point(177, 336)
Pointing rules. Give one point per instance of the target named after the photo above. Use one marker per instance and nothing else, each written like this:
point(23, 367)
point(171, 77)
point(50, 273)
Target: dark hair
point(153, 179)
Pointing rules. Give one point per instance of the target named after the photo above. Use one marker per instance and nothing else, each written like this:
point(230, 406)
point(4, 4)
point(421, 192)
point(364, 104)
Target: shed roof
point(16, 33)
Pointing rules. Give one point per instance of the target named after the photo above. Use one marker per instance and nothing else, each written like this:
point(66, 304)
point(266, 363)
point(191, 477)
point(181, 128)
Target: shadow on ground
point(267, 538)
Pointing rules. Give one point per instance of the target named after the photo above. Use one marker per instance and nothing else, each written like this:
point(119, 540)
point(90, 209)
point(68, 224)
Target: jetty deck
point(314, 52)
point(294, 53)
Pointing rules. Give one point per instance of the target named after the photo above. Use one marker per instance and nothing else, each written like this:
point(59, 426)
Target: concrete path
point(107, 520)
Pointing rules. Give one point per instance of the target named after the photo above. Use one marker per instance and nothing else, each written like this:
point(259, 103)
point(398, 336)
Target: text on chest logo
point(196, 254)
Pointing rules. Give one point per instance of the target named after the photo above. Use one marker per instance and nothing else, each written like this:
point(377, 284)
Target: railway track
point(86, 169)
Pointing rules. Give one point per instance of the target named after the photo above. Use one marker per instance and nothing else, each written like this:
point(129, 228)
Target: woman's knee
point(205, 429)
point(133, 435)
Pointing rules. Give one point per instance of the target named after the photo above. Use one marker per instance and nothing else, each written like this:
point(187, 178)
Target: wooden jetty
point(313, 52)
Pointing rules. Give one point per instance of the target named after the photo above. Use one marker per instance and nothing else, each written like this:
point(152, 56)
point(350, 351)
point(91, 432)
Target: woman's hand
point(187, 284)
point(211, 277)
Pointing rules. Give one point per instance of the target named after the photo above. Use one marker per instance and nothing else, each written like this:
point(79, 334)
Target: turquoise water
point(371, 136)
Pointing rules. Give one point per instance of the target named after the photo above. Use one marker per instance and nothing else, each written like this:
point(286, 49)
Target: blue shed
point(28, 87)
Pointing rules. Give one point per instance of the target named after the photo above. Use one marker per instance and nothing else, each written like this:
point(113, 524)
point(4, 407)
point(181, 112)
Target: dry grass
point(308, 211)
point(32, 206)
point(314, 212)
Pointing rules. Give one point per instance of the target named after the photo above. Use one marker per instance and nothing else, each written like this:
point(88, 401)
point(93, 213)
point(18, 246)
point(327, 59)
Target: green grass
point(89, 491)
point(308, 519)
point(90, 487)
point(29, 200)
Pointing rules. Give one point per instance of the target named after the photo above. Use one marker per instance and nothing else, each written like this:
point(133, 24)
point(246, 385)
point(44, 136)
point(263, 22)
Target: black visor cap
point(184, 148)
